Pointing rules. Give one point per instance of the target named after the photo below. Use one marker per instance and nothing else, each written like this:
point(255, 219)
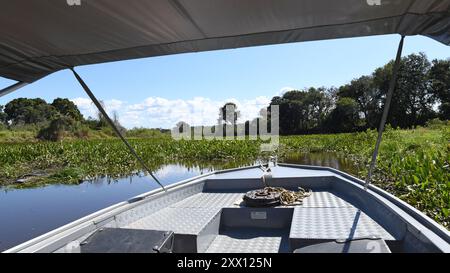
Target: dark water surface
point(27, 213)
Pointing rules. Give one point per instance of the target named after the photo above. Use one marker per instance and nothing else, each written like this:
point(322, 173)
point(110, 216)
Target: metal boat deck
point(322, 216)
point(206, 214)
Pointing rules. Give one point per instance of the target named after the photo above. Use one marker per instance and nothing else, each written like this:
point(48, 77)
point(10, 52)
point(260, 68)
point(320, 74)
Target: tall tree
point(303, 111)
point(67, 108)
point(102, 121)
point(2, 115)
point(115, 119)
point(29, 111)
point(439, 77)
point(363, 92)
point(317, 105)
point(413, 101)
point(413, 92)
point(228, 113)
point(291, 114)
point(344, 117)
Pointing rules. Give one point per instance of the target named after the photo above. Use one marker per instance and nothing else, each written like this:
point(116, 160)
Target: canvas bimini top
point(40, 37)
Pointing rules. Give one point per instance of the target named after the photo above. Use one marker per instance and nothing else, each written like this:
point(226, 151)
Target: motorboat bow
point(207, 214)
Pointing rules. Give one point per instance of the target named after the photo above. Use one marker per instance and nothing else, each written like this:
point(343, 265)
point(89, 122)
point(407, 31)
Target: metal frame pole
point(12, 88)
point(116, 130)
point(385, 111)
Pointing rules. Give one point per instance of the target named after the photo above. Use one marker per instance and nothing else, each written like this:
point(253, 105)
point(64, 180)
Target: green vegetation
point(109, 157)
point(44, 142)
point(358, 105)
point(412, 164)
point(422, 93)
point(32, 120)
point(26, 119)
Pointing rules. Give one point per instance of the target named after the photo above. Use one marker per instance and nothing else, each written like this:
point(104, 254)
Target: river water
point(27, 213)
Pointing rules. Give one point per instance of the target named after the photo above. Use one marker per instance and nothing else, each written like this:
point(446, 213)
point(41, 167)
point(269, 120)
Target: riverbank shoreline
point(412, 164)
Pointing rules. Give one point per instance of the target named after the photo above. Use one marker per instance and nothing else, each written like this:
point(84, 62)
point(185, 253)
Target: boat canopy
point(40, 37)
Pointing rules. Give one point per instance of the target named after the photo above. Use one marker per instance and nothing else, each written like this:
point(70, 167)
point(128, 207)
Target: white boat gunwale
point(57, 238)
point(411, 211)
point(101, 217)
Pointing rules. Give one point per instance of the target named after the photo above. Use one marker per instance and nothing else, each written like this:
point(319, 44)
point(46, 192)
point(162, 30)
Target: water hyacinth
point(412, 164)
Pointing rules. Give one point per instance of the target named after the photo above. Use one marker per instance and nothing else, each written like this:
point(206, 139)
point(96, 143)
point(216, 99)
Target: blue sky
point(159, 91)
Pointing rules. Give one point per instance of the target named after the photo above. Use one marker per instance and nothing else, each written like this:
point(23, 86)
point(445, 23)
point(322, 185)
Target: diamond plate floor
point(250, 241)
point(178, 220)
point(324, 199)
point(188, 216)
point(323, 215)
point(334, 223)
point(209, 200)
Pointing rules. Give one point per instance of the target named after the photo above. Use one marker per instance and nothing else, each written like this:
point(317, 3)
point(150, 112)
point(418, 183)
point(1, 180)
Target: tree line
point(62, 119)
point(422, 93)
point(53, 121)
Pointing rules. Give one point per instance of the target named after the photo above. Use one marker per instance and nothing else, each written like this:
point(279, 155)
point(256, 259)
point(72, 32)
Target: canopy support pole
point(385, 111)
point(12, 88)
point(116, 130)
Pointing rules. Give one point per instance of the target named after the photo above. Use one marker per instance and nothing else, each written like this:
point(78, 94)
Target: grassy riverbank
point(413, 164)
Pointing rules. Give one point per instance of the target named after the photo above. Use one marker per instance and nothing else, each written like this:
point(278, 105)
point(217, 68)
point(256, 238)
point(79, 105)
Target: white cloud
point(250, 108)
point(285, 89)
point(87, 107)
point(164, 113)
point(114, 105)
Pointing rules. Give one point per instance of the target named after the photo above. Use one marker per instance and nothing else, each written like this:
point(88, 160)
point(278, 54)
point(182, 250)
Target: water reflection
point(27, 213)
point(328, 159)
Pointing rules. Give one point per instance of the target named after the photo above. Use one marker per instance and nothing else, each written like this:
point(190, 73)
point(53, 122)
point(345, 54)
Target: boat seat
point(348, 246)
point(323, 224)
point(334, 223)
point(188, 216)
point(121, 240)
point(194, 220)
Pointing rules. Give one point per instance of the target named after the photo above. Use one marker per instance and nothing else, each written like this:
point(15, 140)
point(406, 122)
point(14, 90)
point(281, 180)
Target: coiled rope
point(287, 197)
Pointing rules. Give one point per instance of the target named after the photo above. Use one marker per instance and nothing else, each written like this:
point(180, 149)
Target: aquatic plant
point(412, 164)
